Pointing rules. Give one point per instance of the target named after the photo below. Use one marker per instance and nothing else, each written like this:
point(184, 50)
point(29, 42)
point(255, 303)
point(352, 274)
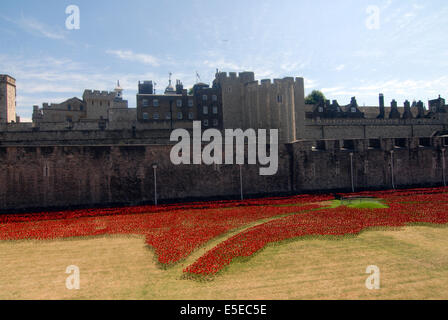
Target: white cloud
point(223, 64)
point(340, 67)
point(37, 28)
point(42, 29)
point(310, 83)
point(129, 55)
point(373, 53)
point(331, 90)
point(293, 66)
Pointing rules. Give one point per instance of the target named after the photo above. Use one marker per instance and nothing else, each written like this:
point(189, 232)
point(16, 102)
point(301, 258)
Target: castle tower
point(232, 89)
point(7, 99)
point(299, 107)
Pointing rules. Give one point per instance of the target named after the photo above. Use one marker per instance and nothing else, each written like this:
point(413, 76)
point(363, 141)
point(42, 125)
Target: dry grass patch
point(413, 263)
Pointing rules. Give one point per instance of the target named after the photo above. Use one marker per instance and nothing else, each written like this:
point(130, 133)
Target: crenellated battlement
point(92, 94)
point(275, 83)
point(8, 79)
point(243, 77)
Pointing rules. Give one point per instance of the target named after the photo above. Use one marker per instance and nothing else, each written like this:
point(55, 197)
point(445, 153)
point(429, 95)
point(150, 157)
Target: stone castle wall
point(371, 128)
point(87, 175)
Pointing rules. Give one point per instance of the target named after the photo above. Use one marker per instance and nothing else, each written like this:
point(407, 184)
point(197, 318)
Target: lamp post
point(154, 167)
point(392, 168)
point(241, 181)
point(443, 166)
point(171, 114)
point(351, 171)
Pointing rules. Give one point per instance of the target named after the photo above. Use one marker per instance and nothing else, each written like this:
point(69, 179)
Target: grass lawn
point(413, 263)
point(360, 203)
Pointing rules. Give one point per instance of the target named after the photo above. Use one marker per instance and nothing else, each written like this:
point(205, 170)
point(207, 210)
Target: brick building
point(176, 108)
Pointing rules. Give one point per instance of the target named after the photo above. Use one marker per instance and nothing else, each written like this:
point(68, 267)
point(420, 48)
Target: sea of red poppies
point(175, 231)
point(405, 207)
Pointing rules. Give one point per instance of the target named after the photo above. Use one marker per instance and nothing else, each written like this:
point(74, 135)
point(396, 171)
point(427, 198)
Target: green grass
point(360, 203)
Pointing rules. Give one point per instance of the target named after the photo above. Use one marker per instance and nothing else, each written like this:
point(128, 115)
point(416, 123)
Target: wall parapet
point(71, 175)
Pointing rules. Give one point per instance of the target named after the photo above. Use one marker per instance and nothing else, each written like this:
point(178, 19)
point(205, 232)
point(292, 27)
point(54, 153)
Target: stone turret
point(7, 99)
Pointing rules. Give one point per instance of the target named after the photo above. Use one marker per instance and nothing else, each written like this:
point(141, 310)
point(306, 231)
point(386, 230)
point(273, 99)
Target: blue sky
point(327, 42)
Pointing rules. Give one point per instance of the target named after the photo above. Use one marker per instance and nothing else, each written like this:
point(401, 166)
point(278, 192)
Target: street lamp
point(241, 181)
point(443, 166)
point(351, 171)
point(154, 167)
point(392, 168)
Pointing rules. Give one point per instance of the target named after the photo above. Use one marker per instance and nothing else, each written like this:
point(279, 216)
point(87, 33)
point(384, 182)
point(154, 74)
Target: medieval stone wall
point(365, 128)
point(72, 175)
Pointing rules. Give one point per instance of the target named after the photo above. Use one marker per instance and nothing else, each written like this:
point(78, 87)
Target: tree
point(315, 97)
point(190, 91)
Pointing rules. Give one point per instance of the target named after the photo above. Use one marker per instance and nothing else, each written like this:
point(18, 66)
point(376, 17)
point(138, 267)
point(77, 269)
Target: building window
point(145, 102)
point(180, 116)
point(190, 103)
point(155, 116)
point(68, 119)
point(339, 109)
point(214, 97)
point(353, 109)
point(204, 97)
point(145, 116)
point(190, 115)
point(215, 122)
point(205, 110)
point(215, 110)
point(205, 123)
point(229, 89)
point(279, 99)
point(101, 103)
point(81, 108)
point(155, 103)
point(69, 107)
point(168, 116)
point(179, 103)
point(320, 109)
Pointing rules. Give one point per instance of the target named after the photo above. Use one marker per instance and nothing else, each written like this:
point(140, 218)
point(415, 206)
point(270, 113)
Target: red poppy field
point(203, 239)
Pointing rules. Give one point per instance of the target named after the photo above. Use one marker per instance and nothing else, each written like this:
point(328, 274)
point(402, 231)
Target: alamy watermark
point(73, 280)
point(373, 19)
point(212, 153)
point(373, 281)
point(73, 21)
